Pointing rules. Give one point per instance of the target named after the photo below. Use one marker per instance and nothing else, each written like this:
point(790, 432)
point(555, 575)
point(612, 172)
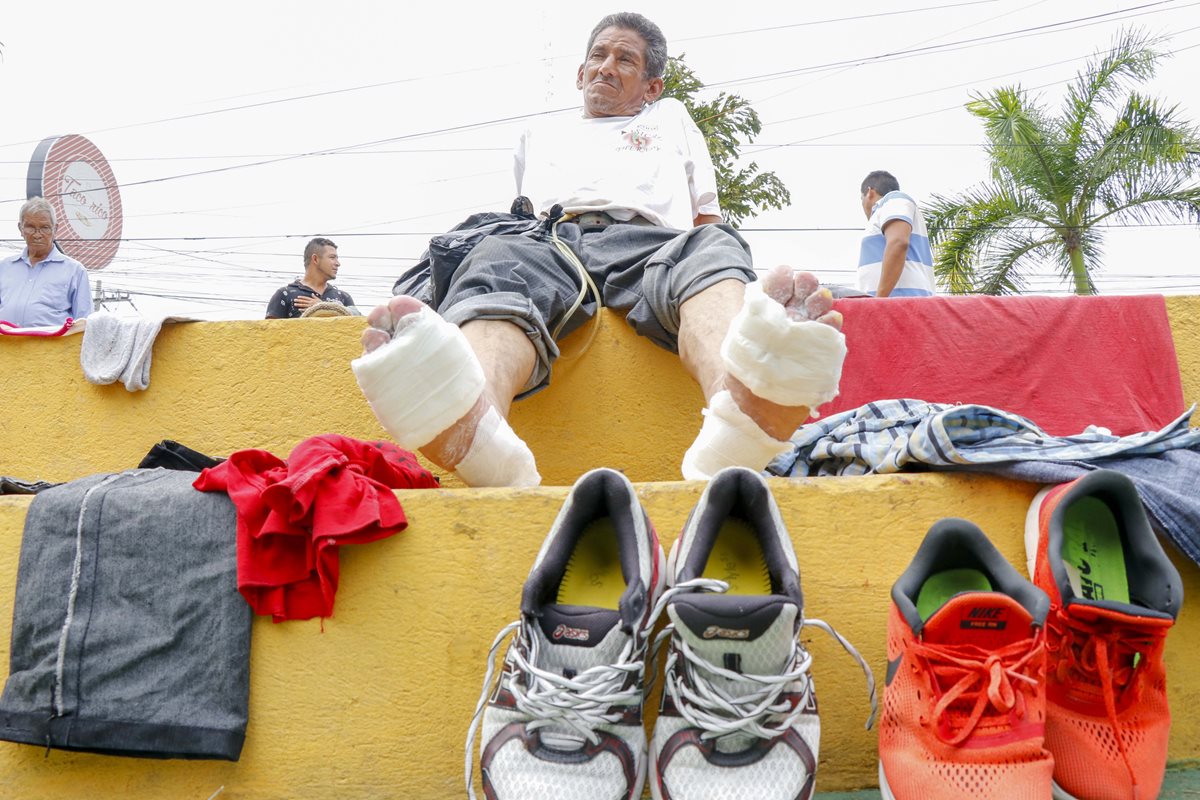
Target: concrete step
point(375, 701)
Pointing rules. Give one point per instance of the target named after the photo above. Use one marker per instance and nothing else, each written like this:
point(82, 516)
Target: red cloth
point(1063, 362)
point(12, 329)
point(291, 516)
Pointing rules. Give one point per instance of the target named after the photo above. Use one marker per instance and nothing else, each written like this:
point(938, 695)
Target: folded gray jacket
point(129, 636)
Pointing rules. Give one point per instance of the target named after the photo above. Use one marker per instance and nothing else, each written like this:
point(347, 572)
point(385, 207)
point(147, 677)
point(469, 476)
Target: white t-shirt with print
point(655, 164)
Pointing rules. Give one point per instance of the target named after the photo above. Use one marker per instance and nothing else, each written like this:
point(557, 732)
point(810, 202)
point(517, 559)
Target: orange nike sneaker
point(1113, 597)
point(964, 708)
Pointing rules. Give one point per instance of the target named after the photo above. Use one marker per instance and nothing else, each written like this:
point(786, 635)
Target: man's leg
point(442, 383)
point(705, 321)
point(478, 445)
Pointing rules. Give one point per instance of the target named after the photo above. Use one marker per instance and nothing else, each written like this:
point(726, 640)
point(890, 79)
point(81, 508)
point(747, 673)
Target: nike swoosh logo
point(893, 668)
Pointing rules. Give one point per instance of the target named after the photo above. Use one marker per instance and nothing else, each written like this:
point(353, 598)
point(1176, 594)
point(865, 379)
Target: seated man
point(42, 286)
point(320, 266)
point(643, 232)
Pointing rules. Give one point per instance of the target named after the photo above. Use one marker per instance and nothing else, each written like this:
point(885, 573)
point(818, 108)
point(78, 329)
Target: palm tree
point(1108, 158)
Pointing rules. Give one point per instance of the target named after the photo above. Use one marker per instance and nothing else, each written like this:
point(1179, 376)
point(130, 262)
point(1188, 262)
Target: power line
point(920, 114)
point(516, 118)
point(964, 83)
point(1020, 33)
point(487, 68)
point(829, 21)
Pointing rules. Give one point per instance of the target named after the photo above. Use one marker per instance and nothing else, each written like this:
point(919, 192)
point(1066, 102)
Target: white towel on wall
point(118, 348)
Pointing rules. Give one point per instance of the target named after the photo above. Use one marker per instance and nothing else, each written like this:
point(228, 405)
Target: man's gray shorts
point(647, 272)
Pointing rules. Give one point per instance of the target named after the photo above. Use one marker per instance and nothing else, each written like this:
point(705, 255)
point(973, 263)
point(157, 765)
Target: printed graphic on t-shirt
point(641, 138)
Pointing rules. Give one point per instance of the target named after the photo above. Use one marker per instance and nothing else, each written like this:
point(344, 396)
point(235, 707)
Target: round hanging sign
point(72, 174)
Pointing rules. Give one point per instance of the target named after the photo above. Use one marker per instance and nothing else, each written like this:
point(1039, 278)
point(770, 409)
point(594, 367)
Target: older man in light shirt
point(42, 286)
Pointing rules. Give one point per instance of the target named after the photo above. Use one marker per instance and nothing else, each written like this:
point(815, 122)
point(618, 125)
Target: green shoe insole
point(1091, 552)
point(737, 559)
point(593, 575)
point(941, 586)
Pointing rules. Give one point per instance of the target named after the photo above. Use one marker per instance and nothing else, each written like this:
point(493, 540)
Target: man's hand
point(895, 253)
point(707, 219)
point(303, 301)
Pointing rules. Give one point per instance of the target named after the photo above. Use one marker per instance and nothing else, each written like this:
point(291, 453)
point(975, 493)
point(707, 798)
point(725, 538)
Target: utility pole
point(100, 297)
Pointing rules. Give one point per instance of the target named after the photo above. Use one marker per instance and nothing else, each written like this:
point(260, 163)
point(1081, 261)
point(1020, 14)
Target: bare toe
point(818, 303)
point(374, 338)
point(380, 318)
point(777, 284)
point(832, 319)
point(403, 305)
point(387, 320)
point(803, 284)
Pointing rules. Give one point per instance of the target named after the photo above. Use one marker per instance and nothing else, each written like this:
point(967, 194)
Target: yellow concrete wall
point(219, 387)
point(377, 705)
point(1184, 316)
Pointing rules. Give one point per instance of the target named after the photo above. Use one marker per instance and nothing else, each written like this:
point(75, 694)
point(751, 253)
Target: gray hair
point(35, 205)
point(881, 181)
point(315, 246)
point(656, 43)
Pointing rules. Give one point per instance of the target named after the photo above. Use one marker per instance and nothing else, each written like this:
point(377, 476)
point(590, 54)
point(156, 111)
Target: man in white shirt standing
point(895, 259)
point(628, 199)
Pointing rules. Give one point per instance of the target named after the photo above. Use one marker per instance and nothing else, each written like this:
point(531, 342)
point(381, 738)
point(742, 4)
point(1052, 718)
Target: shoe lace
point(575, 706)
point(1105, 656)
point(979, 678)
point(762, 706)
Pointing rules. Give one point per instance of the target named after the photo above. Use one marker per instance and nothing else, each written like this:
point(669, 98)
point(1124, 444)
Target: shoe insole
point(593, 575)
point(941, 586)
point(737, 558)
point(1091, 551)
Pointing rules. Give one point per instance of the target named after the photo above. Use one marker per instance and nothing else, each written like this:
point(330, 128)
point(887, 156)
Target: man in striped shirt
point(895, 259)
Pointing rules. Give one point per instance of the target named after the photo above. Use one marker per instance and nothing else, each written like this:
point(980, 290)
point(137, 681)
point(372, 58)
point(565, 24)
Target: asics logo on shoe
point(574, 634)
point(717, 632)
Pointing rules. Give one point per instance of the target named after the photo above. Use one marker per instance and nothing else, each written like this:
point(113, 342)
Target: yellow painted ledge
point(224, 386)
point(377, 704)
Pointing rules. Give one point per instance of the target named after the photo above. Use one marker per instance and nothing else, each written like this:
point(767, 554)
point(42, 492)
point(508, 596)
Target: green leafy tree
point(725, 121)
point(1111, 156)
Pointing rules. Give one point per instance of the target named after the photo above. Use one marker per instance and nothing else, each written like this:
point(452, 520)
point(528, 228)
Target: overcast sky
point(240, 130)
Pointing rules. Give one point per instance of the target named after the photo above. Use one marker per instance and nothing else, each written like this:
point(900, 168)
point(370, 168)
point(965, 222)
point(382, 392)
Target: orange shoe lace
point(980, 678)
point(1104, 656)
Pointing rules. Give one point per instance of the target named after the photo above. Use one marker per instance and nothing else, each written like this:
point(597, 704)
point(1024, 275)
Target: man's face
point(613, 75)
point(327, 262)
point(38, 232)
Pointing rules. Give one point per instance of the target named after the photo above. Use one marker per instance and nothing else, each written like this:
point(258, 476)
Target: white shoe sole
point(1033, 530)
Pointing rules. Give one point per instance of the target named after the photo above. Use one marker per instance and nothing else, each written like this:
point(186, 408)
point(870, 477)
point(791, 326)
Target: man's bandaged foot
point(728, 438)
point(497, 456)
point(425, 382)
point(783, 354)
point(786, 361)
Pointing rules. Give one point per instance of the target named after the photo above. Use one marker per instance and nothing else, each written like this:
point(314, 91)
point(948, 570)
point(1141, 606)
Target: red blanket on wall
point(292, 515)
point(1063, 362)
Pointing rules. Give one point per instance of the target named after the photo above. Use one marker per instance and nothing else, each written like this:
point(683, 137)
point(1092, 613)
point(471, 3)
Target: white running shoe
point(565, 717)
point(739, 716)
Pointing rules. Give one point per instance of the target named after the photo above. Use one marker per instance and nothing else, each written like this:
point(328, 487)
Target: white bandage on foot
point(779, 359)
point(728, 438)
point(422, 381)
point(497, 456)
